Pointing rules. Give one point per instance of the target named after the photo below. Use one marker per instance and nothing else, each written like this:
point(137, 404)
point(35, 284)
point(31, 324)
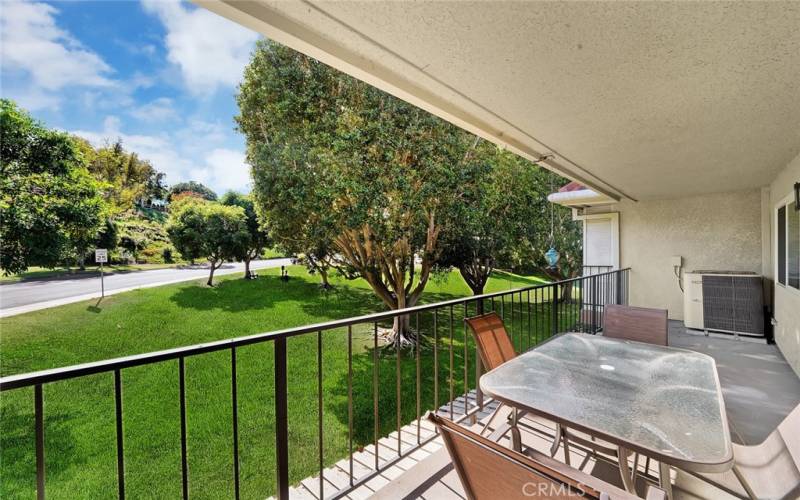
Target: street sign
point(101, 255)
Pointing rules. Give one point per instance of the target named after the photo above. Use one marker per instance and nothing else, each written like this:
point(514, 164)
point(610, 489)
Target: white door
point(601, 240)
point(600, 251)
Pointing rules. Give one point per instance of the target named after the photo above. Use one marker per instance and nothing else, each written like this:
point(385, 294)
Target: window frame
point(784, 202)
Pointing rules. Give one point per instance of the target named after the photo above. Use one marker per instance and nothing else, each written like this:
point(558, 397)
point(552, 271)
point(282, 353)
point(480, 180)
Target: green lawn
point(79, 414)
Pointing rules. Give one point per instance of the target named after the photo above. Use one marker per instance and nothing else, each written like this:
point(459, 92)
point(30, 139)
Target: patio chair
point(488, 470)
point(640, 324)
point(770, 469)
point(494, 347)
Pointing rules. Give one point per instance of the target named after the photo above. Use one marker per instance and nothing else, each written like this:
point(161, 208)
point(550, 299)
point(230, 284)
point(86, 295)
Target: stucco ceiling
point(639, 100)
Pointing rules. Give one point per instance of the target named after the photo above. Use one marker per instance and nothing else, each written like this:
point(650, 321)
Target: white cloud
point(209, 50)
point(157, 110)
point(32, 45)
point(146, 49)
point(219, 168)
point(158, 149)
point(31, 98)
point(225, 170)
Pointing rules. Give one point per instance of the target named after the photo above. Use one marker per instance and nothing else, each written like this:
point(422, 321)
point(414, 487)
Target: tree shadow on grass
point(18, 447)
point(364, 389)
point(237, 295)
point(241, 295)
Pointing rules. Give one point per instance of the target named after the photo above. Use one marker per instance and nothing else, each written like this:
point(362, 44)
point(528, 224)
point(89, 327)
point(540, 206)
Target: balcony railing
point(532, 314)
point(589, 270)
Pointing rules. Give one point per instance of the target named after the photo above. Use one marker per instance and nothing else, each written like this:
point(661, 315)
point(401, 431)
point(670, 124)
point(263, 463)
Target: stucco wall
point(719, 231)
point(787, 301)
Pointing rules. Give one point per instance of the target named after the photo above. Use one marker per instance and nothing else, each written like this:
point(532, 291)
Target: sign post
point(101, 256)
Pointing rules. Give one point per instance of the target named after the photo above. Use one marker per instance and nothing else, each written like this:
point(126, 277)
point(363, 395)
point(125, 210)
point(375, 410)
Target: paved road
point(16, 298)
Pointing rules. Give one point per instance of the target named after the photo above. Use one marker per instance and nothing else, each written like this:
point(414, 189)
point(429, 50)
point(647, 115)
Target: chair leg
point(516, 436)
point(556, 441)
point(744, 483)
point(491, 418)
point(665, 481)
point(628, 478)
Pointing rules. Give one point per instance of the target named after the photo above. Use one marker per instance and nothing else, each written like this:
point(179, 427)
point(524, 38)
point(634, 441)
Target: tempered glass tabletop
point(663, 402)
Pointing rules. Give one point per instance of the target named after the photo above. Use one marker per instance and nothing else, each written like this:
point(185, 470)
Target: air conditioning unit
point(724, 301)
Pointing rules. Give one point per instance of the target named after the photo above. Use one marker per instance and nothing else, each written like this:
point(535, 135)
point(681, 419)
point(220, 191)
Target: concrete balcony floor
point(759, 389)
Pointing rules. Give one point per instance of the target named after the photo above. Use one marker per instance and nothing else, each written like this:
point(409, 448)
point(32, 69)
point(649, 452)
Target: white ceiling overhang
point(638, 100)
point(580, 198)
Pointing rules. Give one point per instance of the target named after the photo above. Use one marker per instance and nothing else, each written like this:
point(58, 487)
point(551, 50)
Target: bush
point(151, 255)
point(157, 253)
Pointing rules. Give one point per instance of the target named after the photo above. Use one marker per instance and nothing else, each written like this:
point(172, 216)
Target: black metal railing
point(591, 269)
point(532, 314)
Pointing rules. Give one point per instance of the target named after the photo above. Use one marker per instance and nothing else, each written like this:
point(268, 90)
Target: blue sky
point(161, 75)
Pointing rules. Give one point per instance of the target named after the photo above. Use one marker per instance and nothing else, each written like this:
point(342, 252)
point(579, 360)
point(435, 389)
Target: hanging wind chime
point(552, 255)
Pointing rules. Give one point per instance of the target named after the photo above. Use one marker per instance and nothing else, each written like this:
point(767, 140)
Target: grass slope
point(79, 414)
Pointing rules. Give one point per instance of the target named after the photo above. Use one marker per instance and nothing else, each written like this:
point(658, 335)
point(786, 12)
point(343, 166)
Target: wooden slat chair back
point(488, 470)
point(494, 345)
point(640, 324)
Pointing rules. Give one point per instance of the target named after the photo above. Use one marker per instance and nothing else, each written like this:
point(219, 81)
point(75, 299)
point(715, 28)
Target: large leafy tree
point(50, 205)
point(339, 164)
point(185, 227)
point(225, 235)
point(128, 179)
point(195, 187)
point(211, 230)
point(501, 217)
point(288, 106)
point(552, 227)
point(566, 238)
point(258, 237)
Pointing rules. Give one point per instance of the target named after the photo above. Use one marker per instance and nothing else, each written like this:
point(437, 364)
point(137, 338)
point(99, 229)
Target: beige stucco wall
point(787, 301)
point(732, 231)
point(719, 231)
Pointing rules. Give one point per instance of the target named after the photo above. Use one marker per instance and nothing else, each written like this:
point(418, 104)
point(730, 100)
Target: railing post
point(478, 370)
point(281, 420)
point(594, 304)
point(554, 312)
point(38, 411)
point(617, 277)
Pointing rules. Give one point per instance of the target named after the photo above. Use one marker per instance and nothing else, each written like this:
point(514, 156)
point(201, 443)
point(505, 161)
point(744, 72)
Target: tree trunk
point(210, 281)
point(323, 276)
point(247, 268)
point(475, 277)
point(566, 293)
point(402, 333)
point(403, 336)
point(82, 262)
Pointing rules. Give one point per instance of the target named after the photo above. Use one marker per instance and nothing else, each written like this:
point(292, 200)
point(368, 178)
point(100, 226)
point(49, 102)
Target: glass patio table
point(662, 402)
